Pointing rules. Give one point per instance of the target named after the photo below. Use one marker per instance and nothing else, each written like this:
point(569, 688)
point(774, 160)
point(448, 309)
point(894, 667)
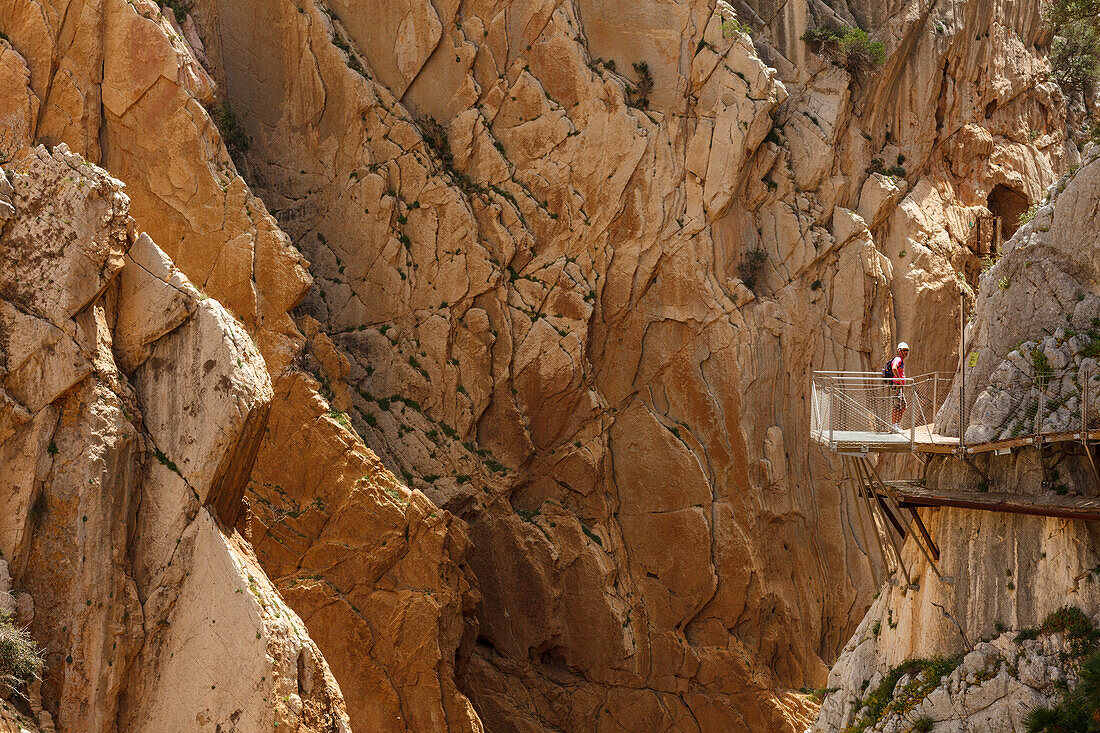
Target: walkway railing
point(866, 408)
point(1019, 402)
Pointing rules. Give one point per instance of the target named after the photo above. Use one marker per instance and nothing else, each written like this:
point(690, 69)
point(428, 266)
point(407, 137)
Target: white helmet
point(903, 345)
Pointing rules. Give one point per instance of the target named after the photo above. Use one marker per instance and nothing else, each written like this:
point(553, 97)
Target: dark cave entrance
point(1008, 203)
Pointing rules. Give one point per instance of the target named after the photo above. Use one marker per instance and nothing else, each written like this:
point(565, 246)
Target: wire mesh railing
point(1021, 399)
point(1018, 400)
point(865, 406)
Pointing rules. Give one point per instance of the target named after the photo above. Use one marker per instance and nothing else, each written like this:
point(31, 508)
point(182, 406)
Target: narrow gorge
point(447, 365)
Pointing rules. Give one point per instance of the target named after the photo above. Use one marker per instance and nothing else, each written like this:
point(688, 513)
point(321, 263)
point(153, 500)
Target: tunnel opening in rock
point(1008, 203)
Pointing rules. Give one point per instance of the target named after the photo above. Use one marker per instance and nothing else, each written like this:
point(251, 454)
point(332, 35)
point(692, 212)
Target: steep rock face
point(543, 298)
point(1009, 571)
point(123, 97)
point(560, 316)
point(113, 475)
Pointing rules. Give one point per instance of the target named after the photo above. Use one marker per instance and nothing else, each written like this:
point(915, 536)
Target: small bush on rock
point(732, 27)
point(20, 658)
point(638, 97)
point(923, 724)
point(1075, 51)
point(751, 268)
point(849, 48)
point(1078, 710)
point(179, 8)
point(924, 676)
point(1078, 628)
point(236, 140)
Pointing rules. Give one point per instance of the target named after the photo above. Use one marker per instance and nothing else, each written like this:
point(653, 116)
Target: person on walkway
point(897, 373)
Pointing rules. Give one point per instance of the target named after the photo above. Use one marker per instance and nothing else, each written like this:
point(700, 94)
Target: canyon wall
point(1005, 572)
point(128, 398)
point(569, 267)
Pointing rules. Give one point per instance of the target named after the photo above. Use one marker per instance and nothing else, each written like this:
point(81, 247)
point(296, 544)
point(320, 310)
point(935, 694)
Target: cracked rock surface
point(143, 593)
point(1004, 571)
point(529, 293)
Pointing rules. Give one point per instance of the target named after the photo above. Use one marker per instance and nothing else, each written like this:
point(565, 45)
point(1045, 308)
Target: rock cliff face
point(1008, 571)
point(129, 399)
point(569, 266)
point(556, 280)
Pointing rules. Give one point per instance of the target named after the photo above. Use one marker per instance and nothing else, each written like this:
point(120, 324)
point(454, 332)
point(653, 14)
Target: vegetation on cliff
point(923, 676)
point(1075, 53)
point(850, 48)
point(20, 657)
point(1078, 711)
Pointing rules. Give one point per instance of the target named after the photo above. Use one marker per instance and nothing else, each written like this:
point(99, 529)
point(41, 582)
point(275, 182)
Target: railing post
point(1039, 402)
point(935, 399)
point(912, 413)
point(1085, 406)
point(962, 370)
point(832, 408)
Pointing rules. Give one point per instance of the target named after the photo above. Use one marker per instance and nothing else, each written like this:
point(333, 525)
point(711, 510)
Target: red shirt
point(897, 368)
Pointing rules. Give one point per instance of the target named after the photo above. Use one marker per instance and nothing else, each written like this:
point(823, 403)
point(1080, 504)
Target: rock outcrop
point(1004, 571)
point(118, 472)
point(145, 72)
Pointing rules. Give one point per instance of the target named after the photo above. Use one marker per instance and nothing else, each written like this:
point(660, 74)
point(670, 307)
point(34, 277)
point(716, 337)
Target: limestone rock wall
point(574, 333)
point(540, 295)
point(135, 583)
point(1007, 571)
point(125, 85)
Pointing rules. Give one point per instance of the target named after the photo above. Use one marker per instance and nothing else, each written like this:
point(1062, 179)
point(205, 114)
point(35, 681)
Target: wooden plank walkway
point(938, 446)
point(914, 494)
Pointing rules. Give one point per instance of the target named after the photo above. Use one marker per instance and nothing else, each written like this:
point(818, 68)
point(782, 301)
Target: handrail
point(1017, 402)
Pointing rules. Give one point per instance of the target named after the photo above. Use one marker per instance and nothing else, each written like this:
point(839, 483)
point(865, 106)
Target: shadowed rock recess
point(417, 366)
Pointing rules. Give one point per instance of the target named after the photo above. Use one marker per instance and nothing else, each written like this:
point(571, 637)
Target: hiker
point(895, 371)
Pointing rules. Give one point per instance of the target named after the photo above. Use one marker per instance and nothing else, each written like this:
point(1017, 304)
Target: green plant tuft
point(179, 8)
point(21, 659)
point(638, 97)
point(924, 676)
point(236, 140)
point(732, 27)
point(849, 48)
point(922, 724)
point(751, 267)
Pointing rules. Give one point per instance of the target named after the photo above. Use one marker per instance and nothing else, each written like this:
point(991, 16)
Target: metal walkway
point(855, 412)
point(855, 415)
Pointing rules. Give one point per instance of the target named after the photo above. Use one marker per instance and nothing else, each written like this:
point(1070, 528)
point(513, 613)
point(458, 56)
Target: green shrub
point(1028, 215)
point(923, 724)
point(751, 267)
point(1078, 710)
point(638, 97)
point(926, 675)
point(818, 694)
point(1042, 366)
point(340, 417)
point(236, 140)
point(1031, 632)
point(435, 137)
point(21, 659)
point(849, 48)
point(179, 8)
point(1075, 51)
point(1078, 628)
point(732, 27)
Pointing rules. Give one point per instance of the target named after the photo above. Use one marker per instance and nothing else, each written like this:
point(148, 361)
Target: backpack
point(888, 372)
